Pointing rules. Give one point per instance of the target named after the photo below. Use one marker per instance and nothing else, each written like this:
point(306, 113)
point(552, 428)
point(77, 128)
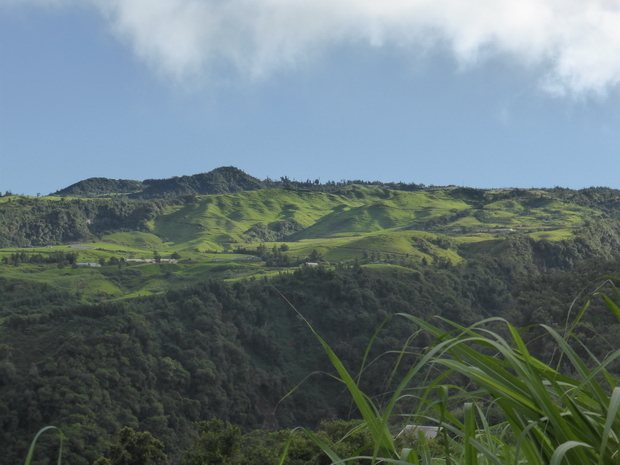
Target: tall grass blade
point(382, 437)
point(612, 306)
point(423, 449)
point(554, 418)
point(471, 455)
point(328, 450)
point(409, 455)
point(612, 415)
point(561, 451)
point(34, 443)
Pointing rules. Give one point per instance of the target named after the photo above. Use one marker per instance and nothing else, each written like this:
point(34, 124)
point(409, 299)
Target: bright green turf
point(417, 226)
point(135, 239)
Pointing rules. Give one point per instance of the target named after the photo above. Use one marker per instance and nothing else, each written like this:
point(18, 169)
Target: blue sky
point(519, 94)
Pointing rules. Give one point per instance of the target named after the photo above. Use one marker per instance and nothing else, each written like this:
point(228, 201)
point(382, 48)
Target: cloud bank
point(575, 42)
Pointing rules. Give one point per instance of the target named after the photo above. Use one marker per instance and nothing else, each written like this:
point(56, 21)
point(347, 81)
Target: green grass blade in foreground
point(537, 394)
point(408, 455)
point(301, 383)
point(370, 344)
point(560, 453)
point(380, 433)
point(34, 443)
point(554, 418)
point(601, 282)
point(612, 415)
point(612, 306)
point(423, 449)
point(324, 447)
point(471, 455)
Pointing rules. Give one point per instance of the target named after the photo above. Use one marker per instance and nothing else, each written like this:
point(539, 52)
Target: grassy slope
point(426, 224)
point(135, 239)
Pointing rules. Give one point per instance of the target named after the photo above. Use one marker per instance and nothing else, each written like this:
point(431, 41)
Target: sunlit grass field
point(363, 223)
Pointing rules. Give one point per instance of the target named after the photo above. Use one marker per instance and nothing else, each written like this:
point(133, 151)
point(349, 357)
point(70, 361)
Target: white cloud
point(576, 41)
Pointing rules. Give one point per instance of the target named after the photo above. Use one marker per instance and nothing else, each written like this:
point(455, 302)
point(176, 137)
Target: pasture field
point(231, 236)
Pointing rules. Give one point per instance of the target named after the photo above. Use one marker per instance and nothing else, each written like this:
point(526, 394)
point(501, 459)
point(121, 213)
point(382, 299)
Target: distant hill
point(99, 187)
point(222, 180)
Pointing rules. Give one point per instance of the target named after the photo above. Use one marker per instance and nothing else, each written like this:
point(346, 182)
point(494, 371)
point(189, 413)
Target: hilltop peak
point(222, 180)
point(97, 187)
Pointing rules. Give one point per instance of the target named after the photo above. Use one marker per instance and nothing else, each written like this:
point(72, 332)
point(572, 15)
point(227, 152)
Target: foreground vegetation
point(562, 411)
point(515, 409)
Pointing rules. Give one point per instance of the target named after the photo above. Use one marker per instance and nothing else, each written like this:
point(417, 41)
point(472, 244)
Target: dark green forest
point(31, 221)
point(233, 351)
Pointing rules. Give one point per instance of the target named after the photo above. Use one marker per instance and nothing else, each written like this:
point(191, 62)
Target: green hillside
point(157, 313)
point(274, 214)
point(247, 230)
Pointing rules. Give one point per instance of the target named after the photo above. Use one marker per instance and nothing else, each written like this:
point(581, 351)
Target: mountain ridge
point(221, 180)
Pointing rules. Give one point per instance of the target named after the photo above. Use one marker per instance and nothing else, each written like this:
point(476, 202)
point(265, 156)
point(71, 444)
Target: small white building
point(412, 430)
